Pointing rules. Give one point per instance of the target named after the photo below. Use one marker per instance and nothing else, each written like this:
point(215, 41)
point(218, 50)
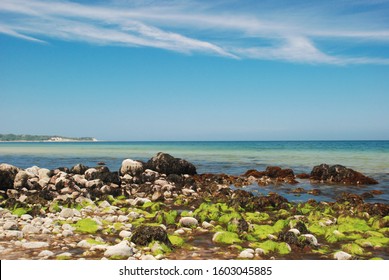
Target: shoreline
point(163, 209)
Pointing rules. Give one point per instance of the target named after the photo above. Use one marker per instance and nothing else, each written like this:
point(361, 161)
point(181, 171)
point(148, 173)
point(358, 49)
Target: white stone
point(342, 256)
point(64, 255)
point(123, 218)
point(67, 213)
point(122, 249)
point(207, 225)
point(67, 233)
point(131, 167)
point(14, 234)
point(125, 233)
point(46, 253)
point(67, 227)
point(180, 231)
point(30, 229)
point(295, 231)
point(311, 238)
point(246, 254)
point(26, 217)
point(259, 251)
point(188, 222)
point(84, 244)
point(148, 258)
point(35, 245)
point(10, 225)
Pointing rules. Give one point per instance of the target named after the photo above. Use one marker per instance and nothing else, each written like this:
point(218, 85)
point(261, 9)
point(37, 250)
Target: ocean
point(231, 157)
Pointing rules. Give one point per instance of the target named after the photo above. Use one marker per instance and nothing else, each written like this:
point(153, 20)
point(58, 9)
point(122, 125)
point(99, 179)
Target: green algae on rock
point(226, 237)
point(86, 226)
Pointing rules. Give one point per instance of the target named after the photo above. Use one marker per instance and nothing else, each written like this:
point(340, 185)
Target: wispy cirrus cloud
point(265, 31)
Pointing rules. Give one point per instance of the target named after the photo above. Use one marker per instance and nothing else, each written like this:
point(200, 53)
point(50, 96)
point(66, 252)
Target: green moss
point(226, 237)
point(384, 230)
point(118, 226)
point(176, 240)
point(250, 237)
point(333, 236)
point(349, 224)
point(321, 251)
point(170, 217)
point(282, 213)
point(374, 241)
point(152, 206)
point(353, 249)
point(305, 208)
point(232, 227)
point(116, 257)
point(374, 234)
point(227, 218)
point(262, 231)
point(94, 242)
point(186, 214)
point(268, 246)
point(19, 211)
point(256, 217)
point(376, 259)
point(317, 229)
point(63, 258)
point(283, 248)
point(86, 226)
point(138, 221)
point(279, 225)
point(54, 207)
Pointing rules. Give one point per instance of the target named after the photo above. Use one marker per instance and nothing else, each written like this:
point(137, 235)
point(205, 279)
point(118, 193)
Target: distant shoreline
point(43, 138)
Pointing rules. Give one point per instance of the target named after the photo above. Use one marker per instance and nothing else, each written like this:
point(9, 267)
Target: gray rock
point(20, 180)
point(311, 239)
point(188, 222)
point(207, 225)
point(65, 255)
point(44, 173)
point(79, 169)
point(259, 251)
point(84, 244)
point(67, 233)
point(131, 167)
point(123, 218)
point(69, 213)
point(147, 258)
point(122, 249)
point(26, 217)
point(166, 164)
point(35, 245)
point(342, 256)
point(33, 171)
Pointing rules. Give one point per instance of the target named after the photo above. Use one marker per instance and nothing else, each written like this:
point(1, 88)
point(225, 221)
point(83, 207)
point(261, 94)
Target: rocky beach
point(163, 209)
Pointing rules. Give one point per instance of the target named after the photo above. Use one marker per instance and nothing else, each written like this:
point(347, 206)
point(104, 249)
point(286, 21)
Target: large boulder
point(79, 169)
point(7, 176)
point(102, 173)
point(143, 235)
point(131, 167)
point(167, 164)
point(339, 174)
point(20, 180)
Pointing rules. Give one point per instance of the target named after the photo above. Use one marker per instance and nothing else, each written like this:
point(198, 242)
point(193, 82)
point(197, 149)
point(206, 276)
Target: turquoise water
point(368, 157)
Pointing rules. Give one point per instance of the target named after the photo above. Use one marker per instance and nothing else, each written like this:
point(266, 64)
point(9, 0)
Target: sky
point(195, 69)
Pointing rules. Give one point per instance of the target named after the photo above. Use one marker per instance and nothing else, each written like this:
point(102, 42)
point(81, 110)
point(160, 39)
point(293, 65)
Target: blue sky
point(195, 70)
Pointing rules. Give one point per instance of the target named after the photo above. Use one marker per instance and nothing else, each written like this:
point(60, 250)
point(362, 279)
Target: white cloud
point(189, 27)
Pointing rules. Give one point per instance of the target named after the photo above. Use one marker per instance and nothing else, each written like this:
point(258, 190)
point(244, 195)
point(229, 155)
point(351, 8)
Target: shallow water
point(234, 158)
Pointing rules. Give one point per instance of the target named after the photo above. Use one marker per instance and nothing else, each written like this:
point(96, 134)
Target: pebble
point(14, 234)
point(26, 217)
point(34, 245)
point(46, 253)
point(10, 225)
point(147, 258)
point(30, 229)
point(207, 225)
point(67, 233)
point(68, 213)
point(246, 254)
point(312, 239)
point(259, 251)
point(342, 256)
point(122, 249)
point(188, 222)
point(295, 231)
point(125, 233)
point(65, 255)
point(84, 244)
point(123, 218)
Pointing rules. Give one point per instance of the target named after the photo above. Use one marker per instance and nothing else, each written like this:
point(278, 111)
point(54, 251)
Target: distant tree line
point(26, 137)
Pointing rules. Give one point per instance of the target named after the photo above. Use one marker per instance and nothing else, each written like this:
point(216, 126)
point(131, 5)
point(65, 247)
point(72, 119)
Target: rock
point(102, 173)
point(167, 164)
point(342, 256)
point(207, 225)
point(259, 251)
point(148, 258)
point(122, 218)
point(311, 239)
point(46, 253)
point(125, 234)
point(20, 180)
point(188, 222)
point(66, 213)
point(10, 225)
point(157, 196)
point(131, 167)
point(30, 229)
point(79, 169)
point(35, 245)
point(338, 174)
point(64, 256)
point(122, 249)
point(44, 173)
point(246, 254)
point(67, 233)
point(26, 217)
point(143, 235)
point(13, 234)
point(84, 244)
point(7, 176)
point(295, 231)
